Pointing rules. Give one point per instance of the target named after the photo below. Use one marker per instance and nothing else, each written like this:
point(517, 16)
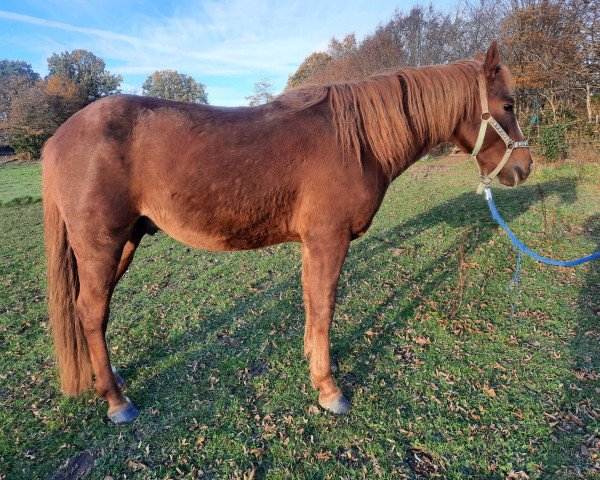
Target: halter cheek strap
point(487, 119)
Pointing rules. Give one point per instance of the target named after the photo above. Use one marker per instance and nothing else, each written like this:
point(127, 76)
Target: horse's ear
point(479, 56)
point(492, 61)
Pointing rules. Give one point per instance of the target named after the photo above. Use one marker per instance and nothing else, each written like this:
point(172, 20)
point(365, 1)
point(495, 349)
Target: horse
point(311, 166)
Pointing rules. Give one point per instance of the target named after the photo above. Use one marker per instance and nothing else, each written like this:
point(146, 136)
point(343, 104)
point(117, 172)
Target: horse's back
point(218, 178)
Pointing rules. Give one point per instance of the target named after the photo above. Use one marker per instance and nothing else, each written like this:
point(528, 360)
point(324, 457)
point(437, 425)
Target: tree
point(342, 48)
point(312, 64)
point(19, 68)
point(172, 85)
point(38, 110)
point(477, 23)
point(87, 71)
point(63, 87)
point(15, 75)
point(423, 36)
point(588, 14)
point(542, 43)
point(262, 93)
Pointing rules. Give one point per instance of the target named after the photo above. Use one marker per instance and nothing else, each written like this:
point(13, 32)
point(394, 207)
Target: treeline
point(551, 46)
point(32, 108)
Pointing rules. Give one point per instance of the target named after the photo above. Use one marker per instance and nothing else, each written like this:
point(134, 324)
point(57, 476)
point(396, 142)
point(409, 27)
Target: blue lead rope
point(522, 249)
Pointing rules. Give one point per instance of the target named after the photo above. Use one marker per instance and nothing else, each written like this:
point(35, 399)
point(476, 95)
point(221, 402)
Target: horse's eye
point(508, 107)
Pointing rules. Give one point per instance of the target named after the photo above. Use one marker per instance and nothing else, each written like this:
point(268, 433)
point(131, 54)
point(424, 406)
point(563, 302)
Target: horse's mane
point(391, 112)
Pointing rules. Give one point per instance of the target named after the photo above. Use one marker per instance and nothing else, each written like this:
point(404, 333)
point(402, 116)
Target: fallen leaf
point(313, 410)
point(489, 390)
point(323, 456)
point(257, 452)
point(136, 466)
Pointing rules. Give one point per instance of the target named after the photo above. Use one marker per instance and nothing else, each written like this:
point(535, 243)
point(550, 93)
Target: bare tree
point(543, 45)
point(262, 93)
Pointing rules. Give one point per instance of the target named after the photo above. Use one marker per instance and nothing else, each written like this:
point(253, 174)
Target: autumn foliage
point(551, 47)
point(34, 108)
point(37, 112)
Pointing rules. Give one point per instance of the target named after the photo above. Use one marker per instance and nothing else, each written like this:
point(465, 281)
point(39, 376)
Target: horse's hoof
point(339, 406)
point(126, 415)
point(118, 378)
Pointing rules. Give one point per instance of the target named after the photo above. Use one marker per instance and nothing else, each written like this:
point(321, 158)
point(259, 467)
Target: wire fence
point(569, 133)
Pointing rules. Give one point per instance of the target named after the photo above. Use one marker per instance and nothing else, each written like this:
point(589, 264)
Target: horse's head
point(491, 132)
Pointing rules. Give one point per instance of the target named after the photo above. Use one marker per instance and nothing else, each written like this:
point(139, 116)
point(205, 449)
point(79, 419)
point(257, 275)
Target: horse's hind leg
point(142, 227)
point(97, 273)
point(126, 257)
point(323, 258)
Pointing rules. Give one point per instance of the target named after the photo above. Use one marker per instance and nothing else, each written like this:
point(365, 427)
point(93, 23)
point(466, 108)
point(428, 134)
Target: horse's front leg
point(322, 261)
point(306, 297)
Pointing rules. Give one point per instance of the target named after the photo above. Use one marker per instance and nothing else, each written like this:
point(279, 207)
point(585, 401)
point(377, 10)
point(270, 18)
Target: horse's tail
point(63, 287)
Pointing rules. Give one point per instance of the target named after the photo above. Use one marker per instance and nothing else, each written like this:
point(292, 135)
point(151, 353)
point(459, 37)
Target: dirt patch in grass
point(79, 466)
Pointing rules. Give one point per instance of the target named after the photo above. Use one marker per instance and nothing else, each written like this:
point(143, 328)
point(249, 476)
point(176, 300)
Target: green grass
point(442, 380)
point(20, 184)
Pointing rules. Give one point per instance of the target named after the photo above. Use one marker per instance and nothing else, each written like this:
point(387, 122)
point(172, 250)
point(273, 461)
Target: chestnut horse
point(312, 167)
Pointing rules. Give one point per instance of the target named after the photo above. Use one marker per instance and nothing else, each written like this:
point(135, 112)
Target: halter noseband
point(486, 118)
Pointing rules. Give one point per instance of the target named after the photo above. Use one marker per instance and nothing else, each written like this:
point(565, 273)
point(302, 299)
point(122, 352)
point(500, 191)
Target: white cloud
point(130, 88)
point(65, 26)
point(246, 39)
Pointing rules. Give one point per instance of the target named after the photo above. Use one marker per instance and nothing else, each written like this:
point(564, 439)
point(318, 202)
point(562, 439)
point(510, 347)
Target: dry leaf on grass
point(136, 466)
point(489, 391)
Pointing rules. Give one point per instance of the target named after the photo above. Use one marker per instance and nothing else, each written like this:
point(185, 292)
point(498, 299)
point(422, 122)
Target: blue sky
point(227, 45)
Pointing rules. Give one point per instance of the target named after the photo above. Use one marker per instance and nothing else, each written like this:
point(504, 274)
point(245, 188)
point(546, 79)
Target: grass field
point(443, 381)
point(19, 184)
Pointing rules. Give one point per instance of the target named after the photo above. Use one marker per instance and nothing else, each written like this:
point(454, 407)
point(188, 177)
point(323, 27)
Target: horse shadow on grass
point(576, 440)
point(467, 212)
point(221, 356)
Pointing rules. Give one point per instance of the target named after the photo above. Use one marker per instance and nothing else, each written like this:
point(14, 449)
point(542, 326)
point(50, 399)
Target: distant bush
point(441, 149)
point(553, 143)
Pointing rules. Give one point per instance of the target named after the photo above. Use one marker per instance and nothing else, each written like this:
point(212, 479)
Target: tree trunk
point(588, 101)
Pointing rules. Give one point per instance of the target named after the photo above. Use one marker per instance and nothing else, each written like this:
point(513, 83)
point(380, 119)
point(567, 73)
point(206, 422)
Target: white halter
point(486, 118)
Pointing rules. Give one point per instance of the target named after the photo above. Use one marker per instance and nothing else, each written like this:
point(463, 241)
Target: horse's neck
point(413, 157)
point(439, 124)
point(416, 151)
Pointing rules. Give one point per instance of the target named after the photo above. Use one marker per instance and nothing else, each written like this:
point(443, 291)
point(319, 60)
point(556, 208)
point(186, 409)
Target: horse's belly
point(208, 233)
